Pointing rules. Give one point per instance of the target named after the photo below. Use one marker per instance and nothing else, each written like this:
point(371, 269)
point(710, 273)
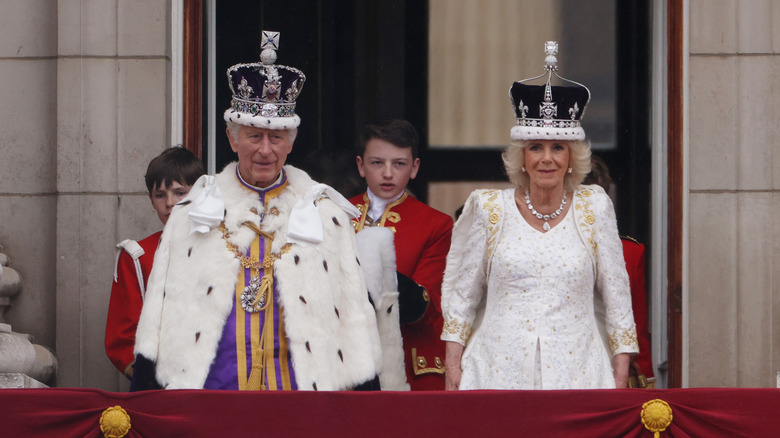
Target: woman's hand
point(452, 371)
point(620, 364)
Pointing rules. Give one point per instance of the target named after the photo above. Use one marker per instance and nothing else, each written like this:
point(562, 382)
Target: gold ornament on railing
point(114, 422)
point(656, 416)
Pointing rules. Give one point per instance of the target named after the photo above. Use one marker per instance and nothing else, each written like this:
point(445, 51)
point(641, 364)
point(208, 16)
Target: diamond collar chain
point(545, 217)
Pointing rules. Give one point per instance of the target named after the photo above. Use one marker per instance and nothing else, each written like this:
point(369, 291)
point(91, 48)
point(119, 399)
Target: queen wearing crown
point(535, 293)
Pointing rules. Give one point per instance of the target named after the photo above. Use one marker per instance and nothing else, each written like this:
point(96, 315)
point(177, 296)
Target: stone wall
point(112, 118)
point(733, 301)
point(28, 160)
point(86, 104)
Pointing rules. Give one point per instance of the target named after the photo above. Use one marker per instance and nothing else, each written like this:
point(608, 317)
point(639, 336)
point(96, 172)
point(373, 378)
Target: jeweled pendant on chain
point(249, 294)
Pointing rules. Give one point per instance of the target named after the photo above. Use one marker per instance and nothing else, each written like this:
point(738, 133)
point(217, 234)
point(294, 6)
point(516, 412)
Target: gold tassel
point(266, 289)
point(256, 382)
point(262, 355)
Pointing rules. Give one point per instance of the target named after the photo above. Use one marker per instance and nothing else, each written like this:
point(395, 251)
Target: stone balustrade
point(22, 363)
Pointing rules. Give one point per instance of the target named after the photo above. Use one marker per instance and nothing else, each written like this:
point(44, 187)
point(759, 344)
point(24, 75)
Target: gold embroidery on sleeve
point(622, 338)
point(462, 329)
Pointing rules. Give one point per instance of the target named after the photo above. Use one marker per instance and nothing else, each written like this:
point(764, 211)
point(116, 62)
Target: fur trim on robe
point(377, 257)
point(330, 324)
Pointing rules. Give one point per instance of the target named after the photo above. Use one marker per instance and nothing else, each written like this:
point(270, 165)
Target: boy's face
point(387, 168)
point(165, 197)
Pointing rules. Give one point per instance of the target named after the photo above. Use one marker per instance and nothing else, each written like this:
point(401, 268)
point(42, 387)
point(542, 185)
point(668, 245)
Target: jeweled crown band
point(263, 109)
point(549, 123)
point(547, 133)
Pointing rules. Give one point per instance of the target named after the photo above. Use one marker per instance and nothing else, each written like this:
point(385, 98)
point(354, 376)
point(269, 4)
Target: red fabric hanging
point(584, 413)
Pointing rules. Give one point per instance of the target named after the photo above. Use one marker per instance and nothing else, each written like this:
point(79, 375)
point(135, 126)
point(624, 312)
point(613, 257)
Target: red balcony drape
point(601, 413)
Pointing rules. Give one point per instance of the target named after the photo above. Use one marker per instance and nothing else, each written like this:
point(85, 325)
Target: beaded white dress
point(530, 298)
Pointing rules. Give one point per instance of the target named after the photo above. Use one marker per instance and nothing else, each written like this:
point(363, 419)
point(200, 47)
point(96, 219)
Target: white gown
point(536, 325)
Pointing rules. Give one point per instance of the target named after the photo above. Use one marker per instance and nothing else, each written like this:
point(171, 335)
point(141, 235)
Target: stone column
point(112, 118)
point(28, 160)
point(734, 167)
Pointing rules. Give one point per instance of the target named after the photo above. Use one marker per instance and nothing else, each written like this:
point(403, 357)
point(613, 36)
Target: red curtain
point(593, 413)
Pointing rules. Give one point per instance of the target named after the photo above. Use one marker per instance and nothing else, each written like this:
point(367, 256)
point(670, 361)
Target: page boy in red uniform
point(641, 370)
point(388, 160)
point(169, 177)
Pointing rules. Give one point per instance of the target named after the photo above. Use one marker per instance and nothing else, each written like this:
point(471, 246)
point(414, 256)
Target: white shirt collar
point(377, 205)
point(262, 189)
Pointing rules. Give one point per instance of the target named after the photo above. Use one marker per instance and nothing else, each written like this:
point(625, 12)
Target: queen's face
point(546, 162)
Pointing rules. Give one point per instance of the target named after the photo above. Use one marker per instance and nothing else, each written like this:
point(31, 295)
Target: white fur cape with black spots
point(330, 323)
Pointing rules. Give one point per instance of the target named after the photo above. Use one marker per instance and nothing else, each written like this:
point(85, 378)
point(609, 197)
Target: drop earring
point(522, 169)
point(570, 170)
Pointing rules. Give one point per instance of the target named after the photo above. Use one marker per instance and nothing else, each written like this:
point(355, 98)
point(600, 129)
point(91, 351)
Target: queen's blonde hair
point(579, 161)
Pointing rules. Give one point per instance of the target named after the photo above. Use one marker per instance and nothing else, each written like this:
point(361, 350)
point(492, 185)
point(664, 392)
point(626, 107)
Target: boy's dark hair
point(399, 132)
point(174, 164)
point(599, 173)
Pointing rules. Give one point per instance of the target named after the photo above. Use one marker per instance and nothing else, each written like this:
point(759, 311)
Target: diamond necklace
point(544, 217)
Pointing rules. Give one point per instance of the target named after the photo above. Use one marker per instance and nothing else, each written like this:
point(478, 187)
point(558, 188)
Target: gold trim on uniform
point(387, 216)
point(420, 364)
point(629, 238)
point(393, 216)
point(358, 224)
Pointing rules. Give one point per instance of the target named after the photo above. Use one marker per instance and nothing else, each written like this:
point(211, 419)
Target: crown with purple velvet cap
point(547, 112)
point(264, 93)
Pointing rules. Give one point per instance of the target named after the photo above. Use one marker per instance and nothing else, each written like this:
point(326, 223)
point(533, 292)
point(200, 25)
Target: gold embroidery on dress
point(586, 217)
point(622, 338)
point(462, 329)
point(494, 217)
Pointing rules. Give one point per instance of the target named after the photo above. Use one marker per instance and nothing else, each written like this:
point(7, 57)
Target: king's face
point(261, 153)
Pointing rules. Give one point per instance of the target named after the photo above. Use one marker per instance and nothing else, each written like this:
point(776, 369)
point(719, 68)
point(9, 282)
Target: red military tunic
point(422, 240)
point(124, 306)
point(634, 254)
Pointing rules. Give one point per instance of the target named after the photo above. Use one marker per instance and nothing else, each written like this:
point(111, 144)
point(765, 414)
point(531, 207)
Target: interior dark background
point(368, 60)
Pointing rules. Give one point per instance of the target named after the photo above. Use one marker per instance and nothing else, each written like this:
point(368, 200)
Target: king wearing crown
point(256, 284)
